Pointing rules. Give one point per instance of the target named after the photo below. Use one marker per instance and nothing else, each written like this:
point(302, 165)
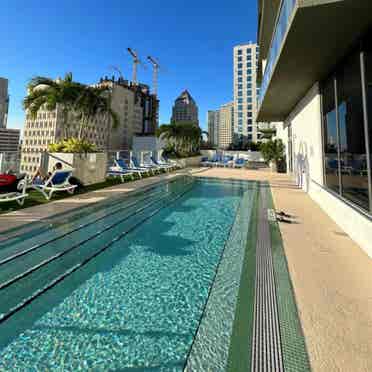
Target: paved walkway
point(331, 275)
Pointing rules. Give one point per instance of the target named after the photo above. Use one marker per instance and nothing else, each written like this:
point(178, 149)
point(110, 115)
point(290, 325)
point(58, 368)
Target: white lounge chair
point(58, 181)
point(122, 166)
point(19, 195)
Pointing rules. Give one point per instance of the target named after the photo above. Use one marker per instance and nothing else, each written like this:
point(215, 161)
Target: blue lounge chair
point(166, 160)
point(204, 161)
point(226, 161)
point(121, 165)
point(136, 164)
point(239, 163)
point(160, 165)
point(58, 181)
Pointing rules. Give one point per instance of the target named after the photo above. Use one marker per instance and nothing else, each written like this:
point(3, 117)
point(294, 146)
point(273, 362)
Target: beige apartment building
point(47, 128)
point(245, 92)
point(226, 122)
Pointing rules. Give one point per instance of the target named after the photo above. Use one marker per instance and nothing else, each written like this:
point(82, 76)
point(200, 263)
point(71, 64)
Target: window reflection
point(330, 136)
point(354, 176)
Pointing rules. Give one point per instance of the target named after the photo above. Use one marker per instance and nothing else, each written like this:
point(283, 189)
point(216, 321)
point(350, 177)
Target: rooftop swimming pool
point(146, 282)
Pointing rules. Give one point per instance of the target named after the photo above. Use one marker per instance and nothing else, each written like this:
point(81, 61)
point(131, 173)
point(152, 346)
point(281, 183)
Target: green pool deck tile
point(239, 358)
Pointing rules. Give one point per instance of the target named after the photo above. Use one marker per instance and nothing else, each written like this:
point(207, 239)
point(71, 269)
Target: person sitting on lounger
point(40, 176)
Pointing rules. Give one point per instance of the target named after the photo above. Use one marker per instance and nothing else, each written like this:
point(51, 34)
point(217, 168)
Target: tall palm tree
point(93, 103)
point(185, 136)
point(48, 93)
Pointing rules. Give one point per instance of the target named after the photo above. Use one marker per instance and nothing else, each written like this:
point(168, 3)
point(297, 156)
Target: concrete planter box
point(88, 168)
point(193, 161)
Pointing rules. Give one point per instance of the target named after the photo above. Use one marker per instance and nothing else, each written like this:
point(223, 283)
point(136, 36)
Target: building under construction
point(137, 109)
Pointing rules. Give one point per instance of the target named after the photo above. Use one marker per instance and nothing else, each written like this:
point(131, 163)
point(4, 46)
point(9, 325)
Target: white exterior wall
point(306, 123)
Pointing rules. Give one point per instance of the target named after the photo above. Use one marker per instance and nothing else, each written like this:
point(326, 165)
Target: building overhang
point(267, 13)
point(320, 34)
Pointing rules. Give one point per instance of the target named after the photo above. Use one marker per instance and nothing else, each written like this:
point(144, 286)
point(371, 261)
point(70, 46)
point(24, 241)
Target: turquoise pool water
point(135, 306)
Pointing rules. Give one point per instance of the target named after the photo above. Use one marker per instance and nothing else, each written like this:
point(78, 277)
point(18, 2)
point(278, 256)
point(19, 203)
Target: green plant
point(77, 100)
point(185, 137)
point(44, 92)
point(73, 145)
point(273, 151)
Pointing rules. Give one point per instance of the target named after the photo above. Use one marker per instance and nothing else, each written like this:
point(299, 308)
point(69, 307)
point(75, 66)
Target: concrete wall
point(306, 124)
point(305, 121)
point(89, 168)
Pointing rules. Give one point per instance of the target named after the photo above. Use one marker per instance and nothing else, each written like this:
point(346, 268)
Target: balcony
point(310, 38)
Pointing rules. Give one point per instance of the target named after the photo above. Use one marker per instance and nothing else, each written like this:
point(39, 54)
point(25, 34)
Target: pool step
point(21, 283)
point(266, 346)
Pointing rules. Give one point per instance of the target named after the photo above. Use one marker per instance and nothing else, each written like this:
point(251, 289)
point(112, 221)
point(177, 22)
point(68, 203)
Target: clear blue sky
point(192, 39)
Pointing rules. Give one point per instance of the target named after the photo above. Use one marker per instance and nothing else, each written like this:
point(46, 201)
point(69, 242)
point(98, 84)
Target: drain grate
point(267, 352)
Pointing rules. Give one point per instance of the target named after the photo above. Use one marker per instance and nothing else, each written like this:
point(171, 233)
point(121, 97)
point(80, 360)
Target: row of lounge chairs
point(13, 188)
point(150, 166)
point(223, 161)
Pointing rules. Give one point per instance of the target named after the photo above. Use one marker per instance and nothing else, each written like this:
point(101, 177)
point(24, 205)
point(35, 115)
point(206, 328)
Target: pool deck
point(331, 275)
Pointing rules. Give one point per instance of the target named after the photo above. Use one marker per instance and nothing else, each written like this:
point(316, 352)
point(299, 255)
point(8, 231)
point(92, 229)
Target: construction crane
point(136, 62)
point(155, 73)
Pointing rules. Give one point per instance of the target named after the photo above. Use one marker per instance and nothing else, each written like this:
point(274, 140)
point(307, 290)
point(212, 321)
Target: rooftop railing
point(286, 11)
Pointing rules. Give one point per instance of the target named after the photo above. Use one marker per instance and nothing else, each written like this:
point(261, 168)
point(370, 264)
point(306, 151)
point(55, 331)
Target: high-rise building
point(225, 125)
point(212, 119)
point(9, 138)
point(4, 102)
point(220, 126)
point(245, 92)
point(137, 110)
point(323, 98)
point(185, 109)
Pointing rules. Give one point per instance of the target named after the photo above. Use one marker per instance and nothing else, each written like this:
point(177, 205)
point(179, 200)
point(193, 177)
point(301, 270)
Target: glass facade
point(347, 123)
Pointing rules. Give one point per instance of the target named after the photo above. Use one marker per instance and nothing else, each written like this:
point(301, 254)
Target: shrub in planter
point(73, 145)
point(273, 152)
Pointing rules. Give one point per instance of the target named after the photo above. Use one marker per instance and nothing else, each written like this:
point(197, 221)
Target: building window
point(239, 52)
point(240, 114)
point(249, 64)
point(240, 86)
point(249, 92)
point(250, 137)
point(240, 80)
point(249, 114)
point(240, 65)
point(249, 121)
point(249, 99)
point(240, 59)
point(249, 85)
point(249, 107)
point(249, 51)
point(240, 107)
point(240, 73)
point(249, 128)
point(345, 150)
point(249, 71)
point(240, 100)
point(249, 58)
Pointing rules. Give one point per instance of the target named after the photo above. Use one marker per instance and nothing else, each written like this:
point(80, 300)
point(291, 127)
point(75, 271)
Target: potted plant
point(273, 151)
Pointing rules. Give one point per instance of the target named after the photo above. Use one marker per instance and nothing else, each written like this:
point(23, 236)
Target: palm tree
point(93, 103)
point(48, 93)
point(185, 136)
